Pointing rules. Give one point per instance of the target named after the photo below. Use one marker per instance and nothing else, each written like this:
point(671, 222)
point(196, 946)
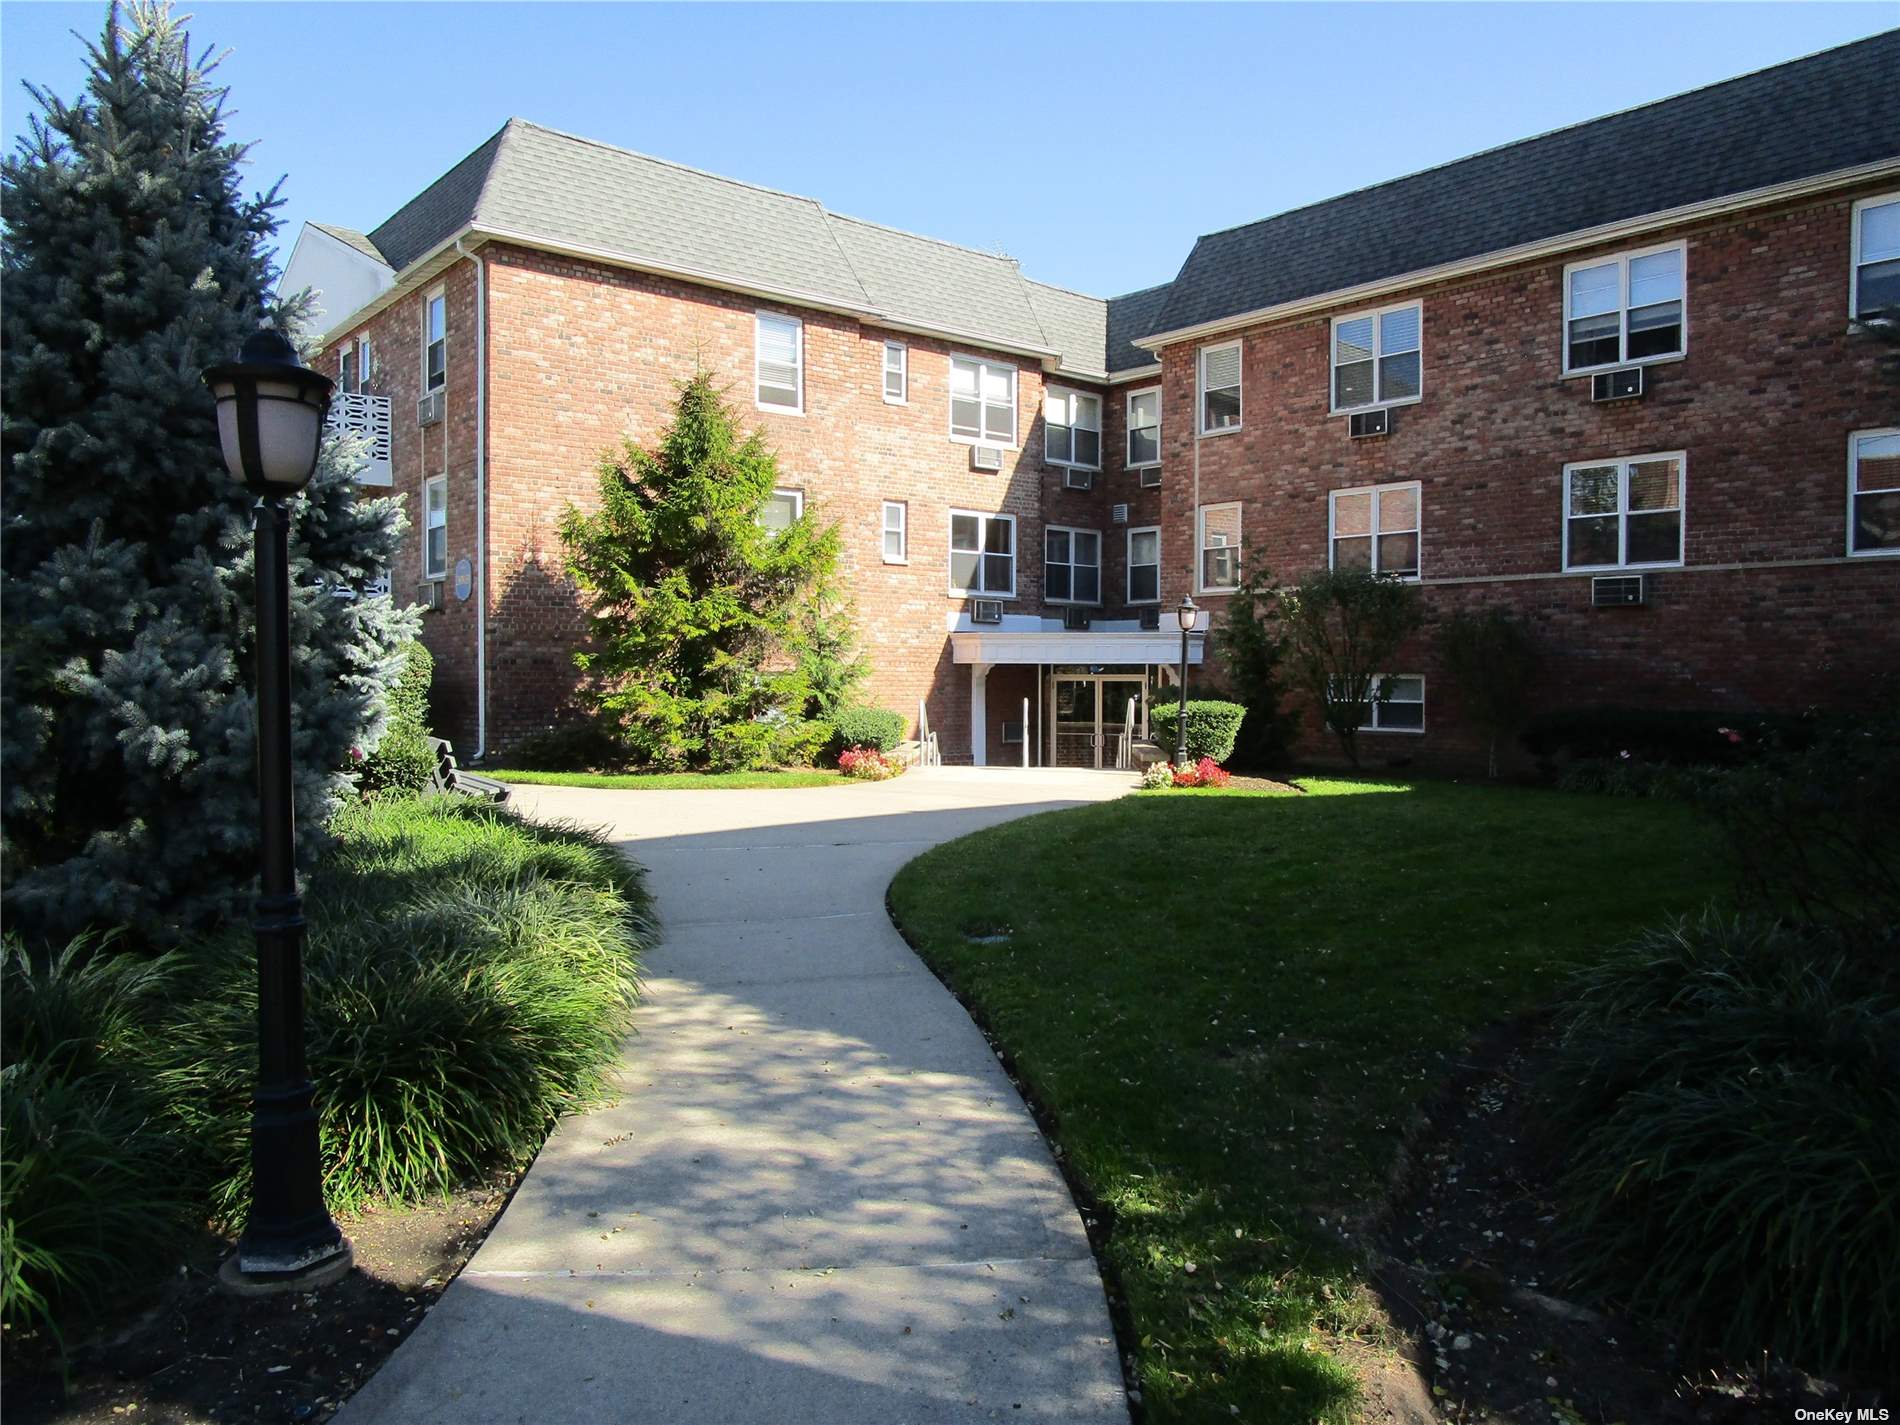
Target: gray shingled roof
point(352, 238)
point(557, 188)
point(1831, 111)
point(1132, 315)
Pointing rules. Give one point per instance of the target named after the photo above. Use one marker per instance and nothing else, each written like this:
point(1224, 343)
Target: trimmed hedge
point(1696, 739)
point(875, 728)
point(1212, 727)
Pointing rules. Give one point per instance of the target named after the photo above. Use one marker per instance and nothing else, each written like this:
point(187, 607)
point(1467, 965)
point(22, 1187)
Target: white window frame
point(1853, 481)
point(982, 406)
point(429, 303)
point(1378, 401)
point(1072, 531)
point(797, 497)
point(1623, 463)
point(1623, 260)
point(1128, 564)
point(1201, 586)
point(984, 519)
point(759, 320)
point(1378, 493)
point(429, 523)
point(1373, 704)
point(346, 369)
point(1072, 399)
point(363, 363)
point(1128, 434)
point(901, 529)
point(1854, 266)
point(902, 398)
point(1200, 387)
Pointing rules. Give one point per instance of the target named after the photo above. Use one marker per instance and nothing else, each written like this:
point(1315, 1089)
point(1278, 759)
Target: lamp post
point(1186, 615)
point(270, 421)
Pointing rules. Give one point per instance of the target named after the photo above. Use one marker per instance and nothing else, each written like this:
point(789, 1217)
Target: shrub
point(1688, 739)
point(576, 742)
point(1251, 649)
point(1626, 777)
point(1205, 773)
point(1492, 660)
point(798, 742)
point(1212, 727)
point(1157, 774)
point(402, 761)
point(875, 728)
point(867, 764)
point(1726, 1091)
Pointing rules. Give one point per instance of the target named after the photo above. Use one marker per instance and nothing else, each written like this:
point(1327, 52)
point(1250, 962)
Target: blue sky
point(1091, 142)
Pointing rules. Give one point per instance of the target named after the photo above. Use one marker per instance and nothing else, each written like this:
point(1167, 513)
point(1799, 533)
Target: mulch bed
point(198, 1356)
point(1470, 1270)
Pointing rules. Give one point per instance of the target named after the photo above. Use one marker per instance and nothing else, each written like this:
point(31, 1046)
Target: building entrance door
point(1096, 718)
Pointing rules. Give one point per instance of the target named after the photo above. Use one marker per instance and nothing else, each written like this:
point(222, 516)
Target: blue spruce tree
point(132, 261)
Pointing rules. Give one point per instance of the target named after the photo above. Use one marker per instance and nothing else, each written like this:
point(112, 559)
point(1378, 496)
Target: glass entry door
point(1093, 718)
point(1075, 725)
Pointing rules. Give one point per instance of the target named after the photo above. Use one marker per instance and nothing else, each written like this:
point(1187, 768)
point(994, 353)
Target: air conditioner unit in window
point(1118, 514)
point(1151, 477)
point(1013, 732)
point(1369, 423)
point(1623, 384)
point(429, 409)
point(1073, 479)
point(986, 611)
point(429, 594)
point(1151, 618)
point(986, 457)
point(1618, 591)
point(1075, 619)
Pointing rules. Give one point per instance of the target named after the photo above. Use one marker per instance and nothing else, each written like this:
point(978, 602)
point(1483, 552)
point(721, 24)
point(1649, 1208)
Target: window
point(1071, 565)
point(1220, 548)
point(435, 342)
point(355, 368)
point(781, 508)
point(1621, 513)
point(1873, 500)
point(1144, 566)
point(982, 401)
point(1376, 359)
point(1220, 388)
point(778, 362)
point(1072, 429)
point(346, 375)
point(1395, 703)
point(1144, 428)
point(982, 554)
point(1376, 529)
point(896, 373)
point(1627, 309)
point(435, 528)
point(1876, 278)
point(896, 532)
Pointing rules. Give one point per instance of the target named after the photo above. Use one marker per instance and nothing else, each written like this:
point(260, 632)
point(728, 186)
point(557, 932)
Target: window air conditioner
point(1370, 423)
point(986, 611)
point(1618, 591)
point(986, 457)
point(1623, 384)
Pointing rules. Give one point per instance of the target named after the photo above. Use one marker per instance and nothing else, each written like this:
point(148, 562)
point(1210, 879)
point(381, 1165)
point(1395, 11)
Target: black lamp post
point(270, 422)
point(1186, 614)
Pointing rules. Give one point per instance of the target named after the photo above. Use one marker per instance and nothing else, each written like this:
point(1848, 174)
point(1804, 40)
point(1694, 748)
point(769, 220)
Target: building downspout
point(481, 501)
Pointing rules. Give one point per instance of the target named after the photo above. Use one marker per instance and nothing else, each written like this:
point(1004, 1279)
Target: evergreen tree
point(1251, 649)
point(701, 653)
point(132, 262)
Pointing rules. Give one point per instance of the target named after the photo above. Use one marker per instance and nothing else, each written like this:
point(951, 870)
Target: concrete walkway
point(818, 1198)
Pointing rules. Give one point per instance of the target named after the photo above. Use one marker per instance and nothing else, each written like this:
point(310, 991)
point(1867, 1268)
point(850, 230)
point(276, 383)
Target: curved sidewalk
point(818, 1198)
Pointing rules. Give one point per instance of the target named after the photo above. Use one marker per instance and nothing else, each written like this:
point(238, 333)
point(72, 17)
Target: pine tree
point(701, 653)
point(133, 261)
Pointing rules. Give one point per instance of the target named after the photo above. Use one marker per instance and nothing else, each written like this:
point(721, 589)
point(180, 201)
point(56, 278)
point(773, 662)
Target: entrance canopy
point(1082, 646)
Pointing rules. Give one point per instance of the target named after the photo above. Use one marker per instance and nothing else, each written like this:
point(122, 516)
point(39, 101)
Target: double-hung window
point(1071, 565)
point(355, 372)
point(1395, 702)
point(982, 554)
point(781, 510)
point(1219, 533)
point(896, 532)
point(1876, 277)
point(778, 362)
point(435, 342)
point(1376, 358)
point(1219, 386)
point(1144, 566)
point(1624, 309)
point(346, 372)
point(1072, 429)
point(1873, 499)
point(982, 401)
point(896, 373)
point(1144, 428)
point(1377, 529)
point(1623, 513)
point(435, 528)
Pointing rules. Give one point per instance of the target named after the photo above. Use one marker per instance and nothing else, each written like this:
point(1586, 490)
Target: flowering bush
point(1204, 773)
point(1159, 774)
point(867, 764)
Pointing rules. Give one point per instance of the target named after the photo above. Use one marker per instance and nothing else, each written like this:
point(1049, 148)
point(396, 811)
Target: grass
point(1232, 1004)
point(673, 781)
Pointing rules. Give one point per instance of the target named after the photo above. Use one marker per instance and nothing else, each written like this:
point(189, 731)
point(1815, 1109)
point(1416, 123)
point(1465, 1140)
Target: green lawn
point(1232, 1003)
point(674, 781)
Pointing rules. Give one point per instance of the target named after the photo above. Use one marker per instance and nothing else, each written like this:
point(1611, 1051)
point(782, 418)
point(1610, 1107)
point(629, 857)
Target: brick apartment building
point(1615, 378)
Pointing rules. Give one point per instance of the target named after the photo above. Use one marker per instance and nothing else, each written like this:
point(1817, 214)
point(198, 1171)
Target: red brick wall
point(1762, 404)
